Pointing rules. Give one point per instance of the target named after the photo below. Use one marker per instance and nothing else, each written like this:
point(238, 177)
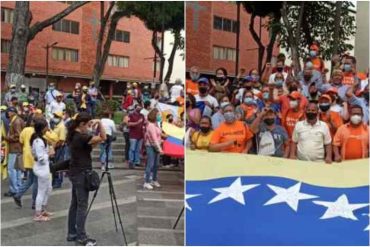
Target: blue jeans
point(58, 176)
point(14, 174)
point(103, 156)
point(31, 180)
point(135, 146)
point(152, 162)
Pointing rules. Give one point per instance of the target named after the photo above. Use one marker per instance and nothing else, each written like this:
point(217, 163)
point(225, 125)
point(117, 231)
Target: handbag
point(92, 180)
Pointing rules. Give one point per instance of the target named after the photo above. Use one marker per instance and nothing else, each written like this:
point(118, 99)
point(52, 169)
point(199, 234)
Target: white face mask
point(356, 119)
point(293, 103)
point(56, 120)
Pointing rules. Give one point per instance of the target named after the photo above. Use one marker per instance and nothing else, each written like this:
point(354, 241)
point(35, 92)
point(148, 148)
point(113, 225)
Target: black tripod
point(111, 191)
point(178, 218)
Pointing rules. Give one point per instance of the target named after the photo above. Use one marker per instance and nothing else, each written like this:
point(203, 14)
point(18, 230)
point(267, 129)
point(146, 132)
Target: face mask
point(309, 65)
point(279, 69)
point(347, 67)
point(324, 107)
point(293, 88)
point(269, 121)
point(248, 87)
point(223, 104)
point(293, 103)
point(220, 78)
point(366, 96)
point(265, 95)
point(311, 115)
point(205, 129)
point(307, 77)
point(279, 82)
point(203, 90)
point(56, 120)
point(12, 90)
point(51, 88)
point(194, 77)
point(229, 117)
point(248, 100)
point(356, 119)
point(159, 118)
point(313, 53)
point(255, 77)
point(313, 94)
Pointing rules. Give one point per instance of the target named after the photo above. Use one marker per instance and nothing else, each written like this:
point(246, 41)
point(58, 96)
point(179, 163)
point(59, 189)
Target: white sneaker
point(110, 165)
point(148, 186)
point(155, 184)
point(103, 168)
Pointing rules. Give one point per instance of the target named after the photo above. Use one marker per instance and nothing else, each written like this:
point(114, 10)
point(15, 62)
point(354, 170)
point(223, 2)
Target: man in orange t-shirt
point(294, 114)
point(318, 63)
point(352, 140)
point(331, 118)
point(232, 136)
point(192, 84)
point(349, 71)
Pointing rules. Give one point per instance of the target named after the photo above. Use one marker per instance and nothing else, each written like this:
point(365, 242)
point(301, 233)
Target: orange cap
point(325, 96)
point(332, 90)
point(314, 47)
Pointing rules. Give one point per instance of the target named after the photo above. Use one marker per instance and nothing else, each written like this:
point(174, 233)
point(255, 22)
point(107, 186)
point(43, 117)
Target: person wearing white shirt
point(56, 106)
point(145, 111)
point(311, 138)
point(203, 96)
point(110, 130)
point(176, 90)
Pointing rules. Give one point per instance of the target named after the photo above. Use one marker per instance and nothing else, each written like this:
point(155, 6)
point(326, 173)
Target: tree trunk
point(159, 52)
point(261, 48)
point(103, 23)
point(19, 42)
point(22, 34)
point(270, 48)
point(337, 20)
point(293, 37)
point(176, 44)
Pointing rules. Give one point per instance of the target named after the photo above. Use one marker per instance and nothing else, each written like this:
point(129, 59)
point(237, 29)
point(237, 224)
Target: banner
point(174, 145)
point(240, 199)
point(166, 109)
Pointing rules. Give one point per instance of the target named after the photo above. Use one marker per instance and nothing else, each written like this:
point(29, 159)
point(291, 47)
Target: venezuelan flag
point(240, 199)
point(173, 146)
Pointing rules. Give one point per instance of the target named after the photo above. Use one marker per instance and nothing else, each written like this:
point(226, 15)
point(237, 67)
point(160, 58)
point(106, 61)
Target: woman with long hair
point(81, 139)
point(41, 169)
point(153, 142)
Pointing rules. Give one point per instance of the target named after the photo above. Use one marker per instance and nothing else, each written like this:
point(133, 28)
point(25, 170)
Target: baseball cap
point(325, 96)
point(58, 114)
point(332, 90)
point(12, 86)
point(203, 80)
point(25, 104)
point(314, 47)
point(12, 109)
point(23, 86)
point(295, 95)
point(84, 88)
point(58, 94)
point(247, 79)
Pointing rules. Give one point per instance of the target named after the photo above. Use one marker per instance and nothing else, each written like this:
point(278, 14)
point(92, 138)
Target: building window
point(65, 54)
point(118, 61)
point(122, 36)
point(7, 15)
point(67, 26)
point(224, 53)
point(225, 24)
point(5, 46)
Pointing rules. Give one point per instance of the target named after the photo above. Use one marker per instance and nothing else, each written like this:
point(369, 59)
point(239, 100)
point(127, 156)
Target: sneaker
point(71, 237)
point(41, 218)
point(155, 184)
point(9, 194)
point(46, 213)
point(103, 168)
point(17, 201)
point(87, 242)
point(110, 165)
point(148, 186)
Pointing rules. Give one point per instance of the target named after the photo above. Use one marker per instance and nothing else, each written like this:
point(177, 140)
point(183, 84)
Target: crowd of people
point(312, 115)
point(44, 141)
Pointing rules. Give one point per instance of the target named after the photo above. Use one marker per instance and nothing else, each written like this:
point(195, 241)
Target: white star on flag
point(340, 208)
point(291, 196)
point(234, 191)
point(188, 196)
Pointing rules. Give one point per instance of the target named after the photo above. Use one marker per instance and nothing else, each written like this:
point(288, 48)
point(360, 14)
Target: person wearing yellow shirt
point(28, 161)
point(200, 139)
point(60, 148)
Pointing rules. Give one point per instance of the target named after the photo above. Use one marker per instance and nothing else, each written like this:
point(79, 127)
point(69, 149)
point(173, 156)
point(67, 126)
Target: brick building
point(211, 37)
point(72, 59)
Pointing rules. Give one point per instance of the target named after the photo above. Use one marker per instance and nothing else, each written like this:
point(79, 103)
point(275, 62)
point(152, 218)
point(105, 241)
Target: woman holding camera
point(81, 139)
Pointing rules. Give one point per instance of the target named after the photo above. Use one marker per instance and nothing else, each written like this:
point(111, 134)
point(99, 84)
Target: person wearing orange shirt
point(349, 71)
point(232, 136)
point(352, 139)
point(192, 83)
point(318, 63)
point(331, 118)
point(284, 100)
point(294, 114)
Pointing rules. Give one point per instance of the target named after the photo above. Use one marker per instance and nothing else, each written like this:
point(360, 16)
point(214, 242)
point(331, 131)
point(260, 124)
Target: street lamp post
point(47, 60)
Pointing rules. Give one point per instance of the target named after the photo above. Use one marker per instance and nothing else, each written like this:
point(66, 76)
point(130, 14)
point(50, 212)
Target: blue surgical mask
point(279, 83)
point(229, 117)
point(313, 53)
point(347, 67)
point(248, 100)
point(266, 95)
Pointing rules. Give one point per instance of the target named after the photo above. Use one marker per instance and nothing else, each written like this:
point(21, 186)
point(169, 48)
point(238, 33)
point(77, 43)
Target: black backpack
point(92, 180)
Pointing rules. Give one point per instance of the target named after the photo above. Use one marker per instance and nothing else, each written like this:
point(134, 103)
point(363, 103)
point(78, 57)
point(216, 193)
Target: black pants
point(127, 145)
point(78, 208)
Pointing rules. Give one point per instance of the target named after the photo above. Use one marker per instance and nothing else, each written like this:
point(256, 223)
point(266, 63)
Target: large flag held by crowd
point(234, 199)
